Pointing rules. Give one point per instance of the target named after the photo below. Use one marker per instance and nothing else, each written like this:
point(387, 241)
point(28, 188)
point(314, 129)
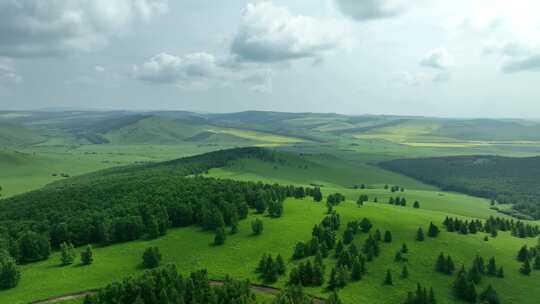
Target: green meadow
point(191, 249)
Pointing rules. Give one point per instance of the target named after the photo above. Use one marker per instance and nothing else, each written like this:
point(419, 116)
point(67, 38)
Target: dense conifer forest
point(126, 204)
point(501, 179)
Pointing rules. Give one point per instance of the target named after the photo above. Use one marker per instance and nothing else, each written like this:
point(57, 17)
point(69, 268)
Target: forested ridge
point(129, 203)
point(504, 180)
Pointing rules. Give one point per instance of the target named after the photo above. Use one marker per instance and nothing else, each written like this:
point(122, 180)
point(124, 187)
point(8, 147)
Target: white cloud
point(99, 69)
point(364, 10)
point(438, 58)
point(44, 28)
point(201, 71)
point(269, 33)
point(8, 74)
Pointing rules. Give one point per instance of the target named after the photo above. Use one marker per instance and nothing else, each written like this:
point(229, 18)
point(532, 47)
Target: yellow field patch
point(259, 136)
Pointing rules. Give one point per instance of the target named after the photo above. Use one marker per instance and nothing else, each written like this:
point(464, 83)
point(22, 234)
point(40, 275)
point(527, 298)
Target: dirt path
point(82, 294)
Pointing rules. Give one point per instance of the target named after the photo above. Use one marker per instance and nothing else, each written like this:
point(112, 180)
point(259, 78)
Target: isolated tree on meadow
point(257, 226)
point(526, 267)
point(388, 278)
point(9, 271)
point(151, 257)
point(404, 272)
point(387, 236)
point(523, 254)
point(420, 235)
point(67, 254)
point(87, 256)
point(433, 230)
point(348, 236)
point(404, 248)
point(219, 237)
point(416, 204)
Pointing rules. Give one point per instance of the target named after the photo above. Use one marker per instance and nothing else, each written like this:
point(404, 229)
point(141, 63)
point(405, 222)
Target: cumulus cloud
point(44, 28)
point(438, 58)
point(531, 64)
point(269, 33)
point(200, 71)
point(8, 74)
point(364, 10)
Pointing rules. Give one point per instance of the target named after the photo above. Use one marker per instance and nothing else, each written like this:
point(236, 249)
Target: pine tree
point(280, 265)
point(433, 230)
point(440, 265)
point(420, 235)
point(219, 238)
point(489, 296)
point(500, 272)
point(404, 248)
point(388, 278)
point(537, 262)
point(348, 236)
point(450, 267)
point(257, 227)
point(387, 236)
point(416, 204)
point(492, 267)
point(356, 272)
point(10, 274)
point(67, 254)
point(87, 256)
point(431, 298)
point(474, 274)
point(377, 235)
point(523, 254)
point(404, 272)
point(526, 267)
point(151, 257)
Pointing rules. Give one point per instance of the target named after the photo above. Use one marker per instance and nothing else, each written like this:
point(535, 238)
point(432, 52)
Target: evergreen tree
point(404, 272)
point(464, 289)
point(404, 248)
point(450, 267)
point(339, 248)
point(474, 274)
point(489, 296)
point(280, 265)
point(440, 265)
point(388, 278)
point(377, 236)
point(431, 297)
point(67, 254)
point(151, 257)
point(9, 272)
point(387, 236)
point(219, 238)
point(523, 254)
point(420, 235)
point(348, 236)
point(234, 222)
point(500, 272)
point(433, 230)
point(356, 271)
point(526, 267)
point(257, 226)
point(492, 267)
point(365, 225)
point(317, 195)
point(416, 204)
point(87, 256)
point(537, 262)
point(299, 251)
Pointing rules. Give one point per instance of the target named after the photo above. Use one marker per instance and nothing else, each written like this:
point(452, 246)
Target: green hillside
point(505, 180)
point(191, 248)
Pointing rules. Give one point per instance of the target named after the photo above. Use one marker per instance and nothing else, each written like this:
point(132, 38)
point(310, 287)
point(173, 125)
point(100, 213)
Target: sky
point(459, 58)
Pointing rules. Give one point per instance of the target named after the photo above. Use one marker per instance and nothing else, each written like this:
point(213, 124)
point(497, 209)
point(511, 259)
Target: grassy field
point(192, 249)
